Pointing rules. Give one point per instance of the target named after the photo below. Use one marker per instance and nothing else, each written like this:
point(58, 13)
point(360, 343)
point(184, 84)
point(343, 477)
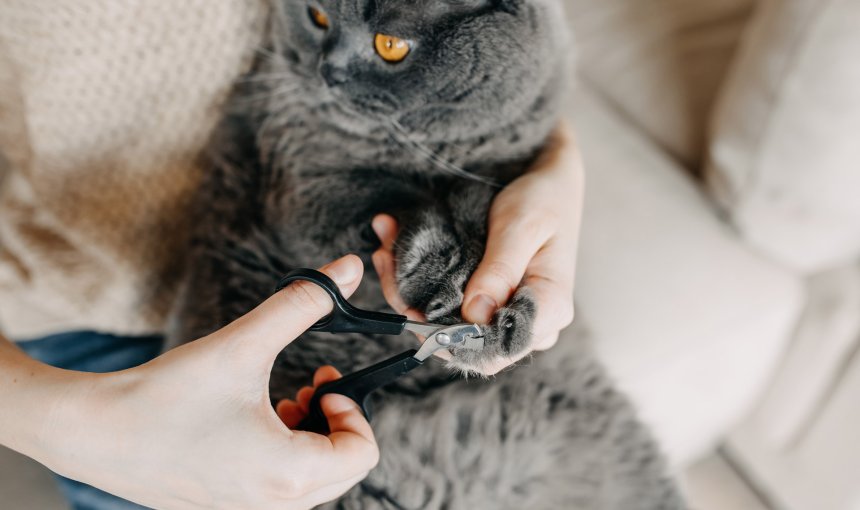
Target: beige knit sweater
point(104, 106)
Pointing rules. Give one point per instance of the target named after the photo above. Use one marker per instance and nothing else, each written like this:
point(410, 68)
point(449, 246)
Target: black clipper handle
point(358, 386)
point(344, 317)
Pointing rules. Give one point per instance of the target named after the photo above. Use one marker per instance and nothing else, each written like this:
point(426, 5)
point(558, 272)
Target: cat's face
point(435, 66)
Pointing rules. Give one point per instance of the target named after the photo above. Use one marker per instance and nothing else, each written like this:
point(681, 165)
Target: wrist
point(44, 408)
point(81, 434)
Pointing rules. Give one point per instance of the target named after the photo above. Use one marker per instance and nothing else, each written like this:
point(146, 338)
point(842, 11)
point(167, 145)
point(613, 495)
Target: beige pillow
point(785, 153)
point(660, 62)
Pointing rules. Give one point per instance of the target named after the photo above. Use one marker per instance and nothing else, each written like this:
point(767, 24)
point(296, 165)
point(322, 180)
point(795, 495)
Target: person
point(91, 213)
point(195, 425)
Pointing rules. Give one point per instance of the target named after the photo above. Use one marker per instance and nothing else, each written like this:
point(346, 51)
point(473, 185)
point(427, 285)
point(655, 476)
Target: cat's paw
point(433, 268)
point(432, 272)
point(508, 334)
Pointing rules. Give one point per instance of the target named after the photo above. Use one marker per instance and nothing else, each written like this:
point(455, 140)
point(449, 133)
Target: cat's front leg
point(437, 251)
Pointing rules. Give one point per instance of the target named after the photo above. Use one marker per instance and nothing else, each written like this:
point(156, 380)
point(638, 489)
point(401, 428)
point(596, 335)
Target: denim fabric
point(87, 351)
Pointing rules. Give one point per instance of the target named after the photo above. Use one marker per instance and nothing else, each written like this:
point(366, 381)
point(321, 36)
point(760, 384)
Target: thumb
point(288, 313)
point(500, 272)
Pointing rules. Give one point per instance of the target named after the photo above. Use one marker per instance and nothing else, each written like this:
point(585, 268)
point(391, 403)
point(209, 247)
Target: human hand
point(194, 428)
point(292, 412)
point(533, 236)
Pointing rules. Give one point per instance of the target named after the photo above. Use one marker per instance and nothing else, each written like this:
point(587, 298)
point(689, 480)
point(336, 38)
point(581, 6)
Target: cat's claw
point(458, 336)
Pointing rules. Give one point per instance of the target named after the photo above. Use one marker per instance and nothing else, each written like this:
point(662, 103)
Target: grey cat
point(420, 109)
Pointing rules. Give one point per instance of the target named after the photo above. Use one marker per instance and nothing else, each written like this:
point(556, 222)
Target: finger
point(287, 314)
point(349, 450)
point(346, 418)
point(511, 245)
point(555, 310)
point(383, 262)
point(385, 227)
point(306, 394)
point(545, 343)
point(325, 374)
point(290, 413)
point(303, 398)
point(296, 411)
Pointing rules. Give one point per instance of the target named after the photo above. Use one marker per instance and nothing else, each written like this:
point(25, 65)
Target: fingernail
point(482, 308)
point(378, 225)
point(344, 270)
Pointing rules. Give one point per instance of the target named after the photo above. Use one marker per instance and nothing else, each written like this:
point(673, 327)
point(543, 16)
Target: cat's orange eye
point(391, 49)
point(318, 17)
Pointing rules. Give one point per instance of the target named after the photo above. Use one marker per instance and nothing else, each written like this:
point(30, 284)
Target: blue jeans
point(87, 351)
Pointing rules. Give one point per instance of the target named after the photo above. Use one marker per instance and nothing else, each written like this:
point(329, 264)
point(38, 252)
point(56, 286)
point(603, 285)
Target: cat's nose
point(334, 75)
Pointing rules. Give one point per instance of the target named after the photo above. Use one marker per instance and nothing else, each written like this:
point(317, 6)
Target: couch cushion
point(818, 470)
point(660, 62)
point(785, 158)
point(688, 320)
point(827, 337)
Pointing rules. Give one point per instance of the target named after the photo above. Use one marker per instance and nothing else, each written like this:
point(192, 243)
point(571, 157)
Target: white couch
point(690, 321)
point(718, 269)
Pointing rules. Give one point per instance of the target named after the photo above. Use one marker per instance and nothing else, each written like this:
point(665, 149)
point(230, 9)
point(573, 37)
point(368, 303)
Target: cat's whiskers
point(269, 95)
point(402, 136)
point(265, 77)
point(409, 142)
point(440, 162)
point(271, 55)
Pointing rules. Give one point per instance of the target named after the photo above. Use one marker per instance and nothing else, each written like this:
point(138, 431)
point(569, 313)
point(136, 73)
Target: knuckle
point(502, 272)
point(504, 212)
point(293, 486)
point(537, 224)
point(540, 223)
point(307, 298)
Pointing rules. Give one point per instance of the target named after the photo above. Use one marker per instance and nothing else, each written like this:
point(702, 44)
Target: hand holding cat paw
point(533, 237)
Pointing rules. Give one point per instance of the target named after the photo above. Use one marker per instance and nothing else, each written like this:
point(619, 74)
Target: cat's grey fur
point(322, 136)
